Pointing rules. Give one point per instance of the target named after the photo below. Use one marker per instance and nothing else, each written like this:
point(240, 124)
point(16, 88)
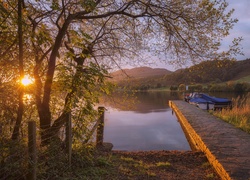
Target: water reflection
point(149, 125)
point(141, 102)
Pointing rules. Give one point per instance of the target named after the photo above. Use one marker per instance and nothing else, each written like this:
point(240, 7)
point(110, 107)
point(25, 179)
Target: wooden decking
point(226, 147)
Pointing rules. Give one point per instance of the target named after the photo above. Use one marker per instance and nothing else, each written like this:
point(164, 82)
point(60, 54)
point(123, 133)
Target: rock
point(106, 146)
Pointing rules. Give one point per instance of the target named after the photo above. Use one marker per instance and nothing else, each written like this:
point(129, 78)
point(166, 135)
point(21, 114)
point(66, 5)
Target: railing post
point(69, 138)
point(100, 128)
point(32, 150)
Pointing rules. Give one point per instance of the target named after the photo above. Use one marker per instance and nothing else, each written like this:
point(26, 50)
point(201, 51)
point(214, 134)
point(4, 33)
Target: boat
point(207, 102)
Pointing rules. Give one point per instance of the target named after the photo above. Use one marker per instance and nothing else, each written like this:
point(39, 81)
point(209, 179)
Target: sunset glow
point(27, 81)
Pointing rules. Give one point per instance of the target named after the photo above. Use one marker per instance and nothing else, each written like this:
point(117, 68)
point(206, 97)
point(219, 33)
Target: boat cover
point(215, 99)
point(200, 100)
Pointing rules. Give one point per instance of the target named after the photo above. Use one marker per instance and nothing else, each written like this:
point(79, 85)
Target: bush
point(242, 87)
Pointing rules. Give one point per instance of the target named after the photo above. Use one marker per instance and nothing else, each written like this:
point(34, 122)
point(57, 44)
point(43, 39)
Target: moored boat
point(207, 102)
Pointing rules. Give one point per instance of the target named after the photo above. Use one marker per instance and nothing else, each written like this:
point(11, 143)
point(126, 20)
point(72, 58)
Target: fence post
point(100, 127)
point(69, 138)
point(32, 150)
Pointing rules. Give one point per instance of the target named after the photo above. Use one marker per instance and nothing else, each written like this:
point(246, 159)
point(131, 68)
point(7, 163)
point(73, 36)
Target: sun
point(26, 81)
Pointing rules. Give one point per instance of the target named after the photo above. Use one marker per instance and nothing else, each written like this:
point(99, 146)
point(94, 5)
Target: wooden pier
point(226, 147)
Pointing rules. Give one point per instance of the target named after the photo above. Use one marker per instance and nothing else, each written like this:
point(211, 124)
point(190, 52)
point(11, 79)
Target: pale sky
point(241, 29)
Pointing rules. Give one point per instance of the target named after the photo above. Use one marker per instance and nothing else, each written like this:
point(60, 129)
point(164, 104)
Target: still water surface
point(145, 121)
point(146, 125)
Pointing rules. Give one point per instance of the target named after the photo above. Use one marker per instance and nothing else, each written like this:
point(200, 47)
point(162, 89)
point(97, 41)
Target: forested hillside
point(139, 72)
point(211, 71)
point(205, 72)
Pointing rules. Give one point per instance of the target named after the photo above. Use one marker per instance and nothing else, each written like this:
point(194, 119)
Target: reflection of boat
point(207, 102)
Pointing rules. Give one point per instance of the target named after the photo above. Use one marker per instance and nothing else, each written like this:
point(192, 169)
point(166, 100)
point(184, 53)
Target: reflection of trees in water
point(174, 93)
point(120, 100)
point(141, 102)
point(153, 101)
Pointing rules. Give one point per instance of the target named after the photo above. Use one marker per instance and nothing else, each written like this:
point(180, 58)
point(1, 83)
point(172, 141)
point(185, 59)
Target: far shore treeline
point(209, 76)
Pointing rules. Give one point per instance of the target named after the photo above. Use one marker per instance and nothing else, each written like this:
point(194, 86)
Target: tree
point(84, 38)
point(182, 87)
point(21, 71)
point(9, 95)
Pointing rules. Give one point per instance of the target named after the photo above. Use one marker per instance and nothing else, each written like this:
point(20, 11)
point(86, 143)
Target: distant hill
point(206, 72)
point(139, 73)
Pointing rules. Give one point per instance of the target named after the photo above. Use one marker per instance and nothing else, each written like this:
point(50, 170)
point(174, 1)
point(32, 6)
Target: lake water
point(146, 123)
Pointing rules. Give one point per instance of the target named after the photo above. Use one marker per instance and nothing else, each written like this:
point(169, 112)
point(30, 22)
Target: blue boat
point(207, 102)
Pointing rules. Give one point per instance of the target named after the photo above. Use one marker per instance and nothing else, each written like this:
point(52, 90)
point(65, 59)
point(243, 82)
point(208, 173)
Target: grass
point(206, 165)
point(90, 163)
point(244, 79)
point(124, 167)
point(210, 176)
point(239, 115)
point(163, 164)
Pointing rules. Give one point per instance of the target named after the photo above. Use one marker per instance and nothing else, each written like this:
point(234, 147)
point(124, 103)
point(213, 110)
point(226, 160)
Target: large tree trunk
point(15, 134)
point(44, 109)
point(16, 130)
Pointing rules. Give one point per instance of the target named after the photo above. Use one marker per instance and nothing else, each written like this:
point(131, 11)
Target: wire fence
point(26, 158)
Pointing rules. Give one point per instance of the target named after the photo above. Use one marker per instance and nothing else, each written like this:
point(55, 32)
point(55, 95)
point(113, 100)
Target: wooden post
point(69, 138)
point(32, 150)
point(100, 128)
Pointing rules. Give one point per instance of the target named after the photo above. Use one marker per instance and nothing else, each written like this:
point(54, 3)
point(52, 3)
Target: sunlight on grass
point(211, 175)
point(163, 164)
point(128, 159)
point(151, 174)
point(239, 115)
point(132, 167)
point(124, 169)
point(206, 165)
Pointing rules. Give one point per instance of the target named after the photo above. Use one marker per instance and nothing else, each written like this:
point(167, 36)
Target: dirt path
point(172, 165)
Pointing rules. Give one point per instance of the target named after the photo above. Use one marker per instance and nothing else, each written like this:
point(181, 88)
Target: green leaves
point(55, 5)
point(88, 5)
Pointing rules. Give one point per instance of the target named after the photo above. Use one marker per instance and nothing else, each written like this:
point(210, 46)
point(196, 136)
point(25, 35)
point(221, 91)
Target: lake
point(143, 121)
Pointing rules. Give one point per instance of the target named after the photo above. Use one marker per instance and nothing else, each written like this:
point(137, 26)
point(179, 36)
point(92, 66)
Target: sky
point(240, 29)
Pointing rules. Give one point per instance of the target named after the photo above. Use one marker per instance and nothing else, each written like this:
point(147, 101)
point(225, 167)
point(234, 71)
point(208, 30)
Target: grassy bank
point(152, 165)
point(90, 163)
point(239, 115)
